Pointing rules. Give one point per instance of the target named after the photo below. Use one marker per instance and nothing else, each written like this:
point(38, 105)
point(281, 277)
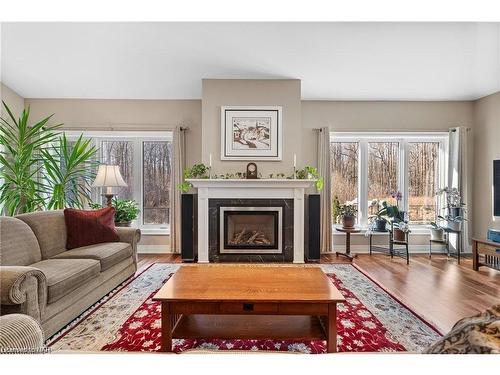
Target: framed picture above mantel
point(251, 133)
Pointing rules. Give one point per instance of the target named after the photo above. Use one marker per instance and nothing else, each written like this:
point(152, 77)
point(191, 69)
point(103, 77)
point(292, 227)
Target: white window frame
point(138, 139)
point(404, 139)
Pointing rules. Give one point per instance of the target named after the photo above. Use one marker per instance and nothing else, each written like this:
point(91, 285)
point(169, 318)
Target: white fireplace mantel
point(251, 189)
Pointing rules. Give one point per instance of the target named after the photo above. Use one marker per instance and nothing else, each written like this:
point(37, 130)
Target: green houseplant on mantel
point(198, 170)
point(125, 211)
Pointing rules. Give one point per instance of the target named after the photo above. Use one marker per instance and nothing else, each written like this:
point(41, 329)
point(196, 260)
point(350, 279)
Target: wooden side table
point(347, 232)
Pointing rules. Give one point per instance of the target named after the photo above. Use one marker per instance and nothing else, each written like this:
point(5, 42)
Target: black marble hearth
point(214, 235)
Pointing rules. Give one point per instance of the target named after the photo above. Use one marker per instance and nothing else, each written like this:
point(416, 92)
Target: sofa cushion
point(108, 254)
point(65, 275)
point(86, 228)
point(18, 244)
point(49, 229)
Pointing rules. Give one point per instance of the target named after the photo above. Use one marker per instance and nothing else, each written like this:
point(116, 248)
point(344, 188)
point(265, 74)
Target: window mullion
point(363, 183)
point(403, 174)
point(138, 193)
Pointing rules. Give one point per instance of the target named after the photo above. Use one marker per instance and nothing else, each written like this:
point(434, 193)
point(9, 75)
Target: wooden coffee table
point(249, 302)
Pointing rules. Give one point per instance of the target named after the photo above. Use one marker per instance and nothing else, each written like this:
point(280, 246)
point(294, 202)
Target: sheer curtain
point(458, 150)
point(326, 193)
point(178, 159)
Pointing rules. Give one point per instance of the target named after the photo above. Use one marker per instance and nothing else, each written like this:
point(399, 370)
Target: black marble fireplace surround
point(214, 235)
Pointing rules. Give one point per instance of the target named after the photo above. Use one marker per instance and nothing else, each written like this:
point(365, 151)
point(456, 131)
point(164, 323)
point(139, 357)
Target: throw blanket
point(477, 334)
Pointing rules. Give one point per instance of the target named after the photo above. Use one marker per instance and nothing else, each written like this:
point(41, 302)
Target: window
point(423, 176)
point(156, 156)
point(120, 153)
point(383, 162)
point(344, 170)
point(145, 160)
point(371, 166)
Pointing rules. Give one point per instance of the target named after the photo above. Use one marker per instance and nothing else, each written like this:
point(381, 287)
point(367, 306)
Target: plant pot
point(348, 221)
point(437, 234)
point(455, 211)
point(455, 225)
point(399, 235)
point(123, 223)
point(380, 225)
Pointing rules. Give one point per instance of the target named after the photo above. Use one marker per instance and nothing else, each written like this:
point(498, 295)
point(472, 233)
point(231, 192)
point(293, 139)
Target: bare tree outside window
point(383, 164)
point(344, 170)
point(422, 181)
point(157, 169)
point(120, 153)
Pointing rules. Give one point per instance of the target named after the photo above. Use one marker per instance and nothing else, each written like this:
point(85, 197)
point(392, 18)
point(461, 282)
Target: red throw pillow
point(89, 227)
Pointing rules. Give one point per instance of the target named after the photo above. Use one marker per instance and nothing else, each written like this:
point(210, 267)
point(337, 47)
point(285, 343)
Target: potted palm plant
point(40, 168)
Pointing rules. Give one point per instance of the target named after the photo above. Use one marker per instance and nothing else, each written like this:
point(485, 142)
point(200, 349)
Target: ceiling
point(336, 61)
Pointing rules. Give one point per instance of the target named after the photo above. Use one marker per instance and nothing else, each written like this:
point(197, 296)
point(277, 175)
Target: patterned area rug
point(129, 320)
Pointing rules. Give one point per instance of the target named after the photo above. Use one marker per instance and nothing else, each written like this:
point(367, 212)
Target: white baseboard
point(154, 249)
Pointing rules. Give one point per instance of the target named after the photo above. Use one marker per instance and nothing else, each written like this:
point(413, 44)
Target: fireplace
point(267, 226)
point(251, 230)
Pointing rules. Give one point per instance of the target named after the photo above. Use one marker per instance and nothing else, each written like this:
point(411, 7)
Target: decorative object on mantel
point(125, 211)
point(201, 171)
point(251, 133)
point(251, 171)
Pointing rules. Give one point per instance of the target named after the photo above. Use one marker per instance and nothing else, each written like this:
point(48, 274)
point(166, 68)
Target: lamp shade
point(109, 176)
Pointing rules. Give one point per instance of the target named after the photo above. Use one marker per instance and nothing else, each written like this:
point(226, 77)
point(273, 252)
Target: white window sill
point(155, 232)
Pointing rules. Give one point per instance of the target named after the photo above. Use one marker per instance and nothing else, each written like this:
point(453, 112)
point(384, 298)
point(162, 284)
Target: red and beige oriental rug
point(127, 319)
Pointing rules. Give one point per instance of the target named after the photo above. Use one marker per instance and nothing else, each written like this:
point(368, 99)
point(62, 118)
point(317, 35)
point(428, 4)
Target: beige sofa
point(40, 278)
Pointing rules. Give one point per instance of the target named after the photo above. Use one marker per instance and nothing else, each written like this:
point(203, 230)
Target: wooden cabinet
point(485, 253)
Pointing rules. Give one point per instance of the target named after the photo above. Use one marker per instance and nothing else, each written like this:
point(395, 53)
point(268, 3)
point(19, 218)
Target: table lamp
point(109, 176)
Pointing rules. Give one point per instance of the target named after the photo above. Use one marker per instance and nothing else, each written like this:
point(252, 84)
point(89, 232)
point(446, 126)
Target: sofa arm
point(131, 236)
point(20, 333)
point(25, 287)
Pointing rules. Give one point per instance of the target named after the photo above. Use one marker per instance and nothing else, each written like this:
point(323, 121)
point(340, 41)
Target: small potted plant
point(453, 222)
point(437, 233)
point(347, 213)
point(125, 211)
point(378, 221)
point(310, 173)
point(199, 170)
point(453, 202)
point(401, 228)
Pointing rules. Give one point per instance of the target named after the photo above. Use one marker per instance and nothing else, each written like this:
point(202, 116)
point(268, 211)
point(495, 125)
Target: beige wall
point(280, 92)
point(380, 116)
point(107, 114)
point(486, 148)
point(14, 101)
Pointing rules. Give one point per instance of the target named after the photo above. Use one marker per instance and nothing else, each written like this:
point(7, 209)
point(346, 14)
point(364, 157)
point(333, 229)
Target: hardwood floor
point(438, 289)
